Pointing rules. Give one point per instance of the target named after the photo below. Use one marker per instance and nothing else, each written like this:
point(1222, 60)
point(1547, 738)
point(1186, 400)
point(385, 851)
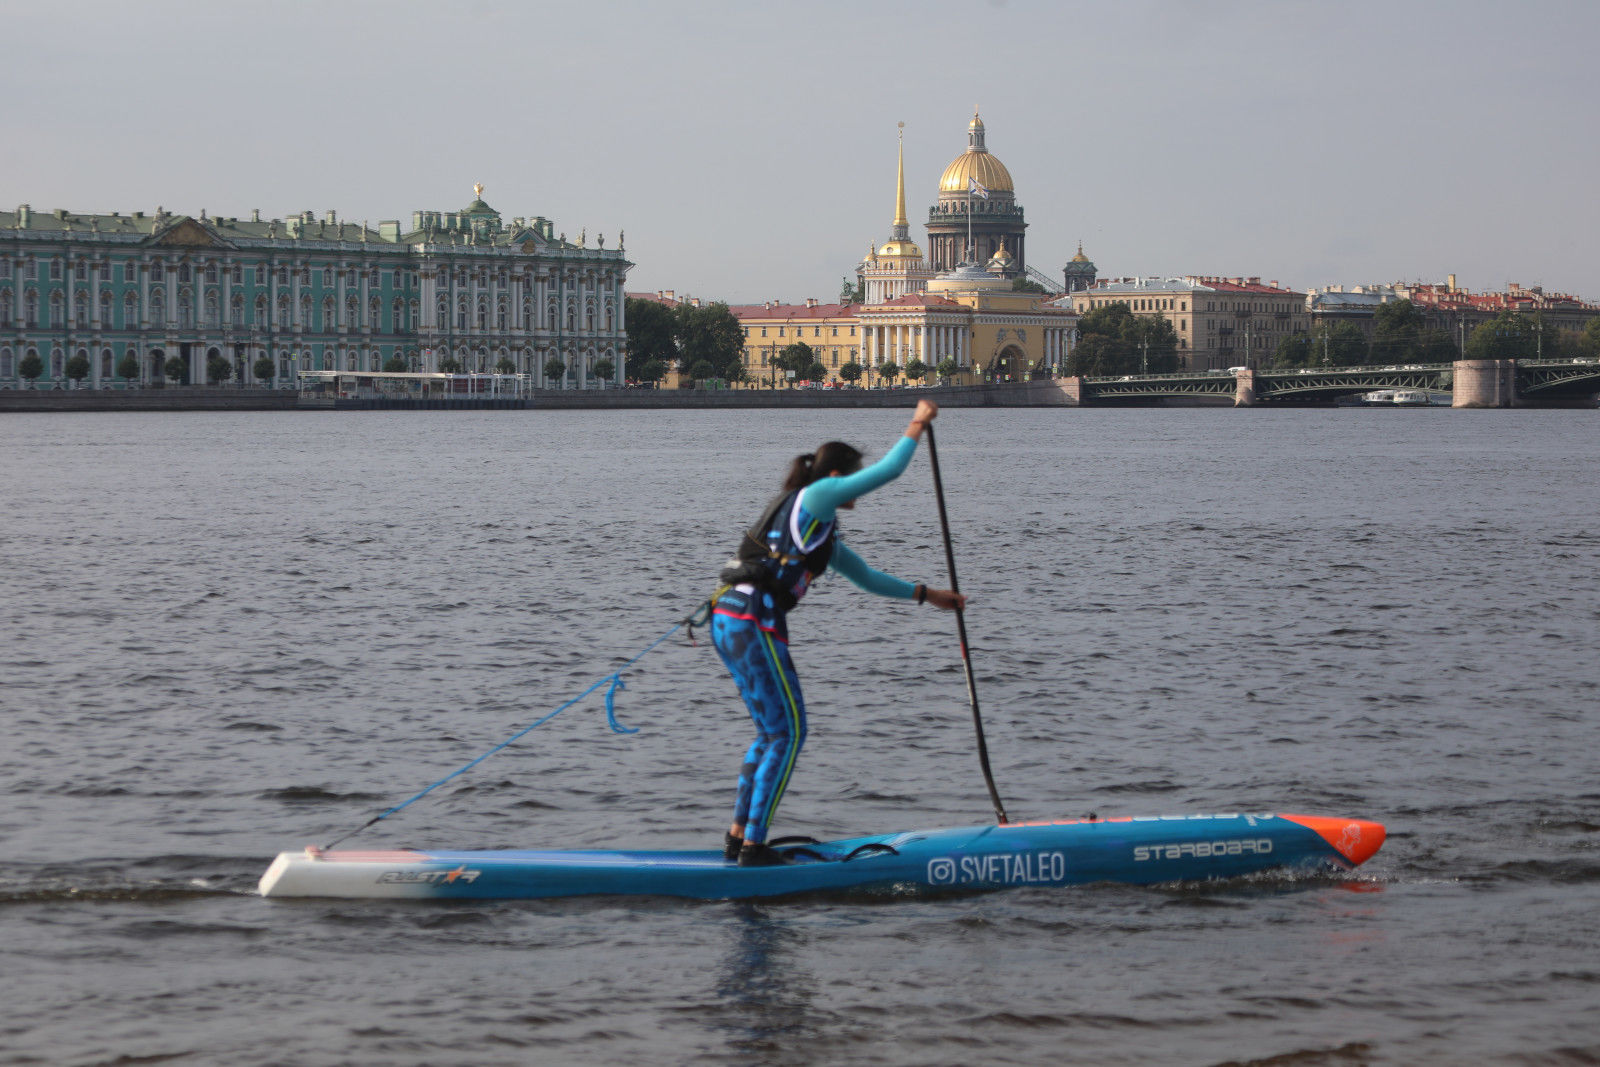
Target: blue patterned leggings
point(760, 664)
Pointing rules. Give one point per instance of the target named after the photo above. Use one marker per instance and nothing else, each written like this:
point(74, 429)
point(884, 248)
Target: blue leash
point(616, 683)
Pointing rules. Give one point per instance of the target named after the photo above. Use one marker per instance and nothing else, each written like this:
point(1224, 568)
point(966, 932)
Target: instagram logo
point(942, 871)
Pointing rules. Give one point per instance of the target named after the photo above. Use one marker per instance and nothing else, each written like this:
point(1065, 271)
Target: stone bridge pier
point(1244, 388)
point(1484, 383)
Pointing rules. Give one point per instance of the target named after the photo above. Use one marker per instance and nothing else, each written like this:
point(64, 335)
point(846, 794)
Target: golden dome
point(976, 162)
point(907, 249)
point(990, 172)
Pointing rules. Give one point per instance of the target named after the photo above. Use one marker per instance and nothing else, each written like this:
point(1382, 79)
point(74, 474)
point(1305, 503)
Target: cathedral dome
point(976, 162)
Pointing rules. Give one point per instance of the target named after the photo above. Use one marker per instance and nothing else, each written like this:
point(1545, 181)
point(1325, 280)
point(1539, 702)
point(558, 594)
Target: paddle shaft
point(961, 629)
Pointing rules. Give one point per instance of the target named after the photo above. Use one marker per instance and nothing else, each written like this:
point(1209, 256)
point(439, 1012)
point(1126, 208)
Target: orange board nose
point(1354, 839)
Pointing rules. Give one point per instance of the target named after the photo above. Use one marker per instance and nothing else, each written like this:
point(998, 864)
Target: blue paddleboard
point(1139, 850)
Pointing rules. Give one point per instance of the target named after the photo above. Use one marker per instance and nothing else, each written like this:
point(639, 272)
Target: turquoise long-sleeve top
point(819, 503)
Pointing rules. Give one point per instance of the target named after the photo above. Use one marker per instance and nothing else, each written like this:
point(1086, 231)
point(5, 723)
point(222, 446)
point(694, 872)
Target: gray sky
point(748, 149)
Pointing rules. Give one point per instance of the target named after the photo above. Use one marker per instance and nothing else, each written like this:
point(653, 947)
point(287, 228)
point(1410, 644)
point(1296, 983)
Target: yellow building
point(830, 330)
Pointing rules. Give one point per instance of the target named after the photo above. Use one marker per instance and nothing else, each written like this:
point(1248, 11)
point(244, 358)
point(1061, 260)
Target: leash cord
point(615, 681)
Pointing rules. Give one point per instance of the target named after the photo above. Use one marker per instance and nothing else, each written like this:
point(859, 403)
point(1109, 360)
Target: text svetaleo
point(1002, 868)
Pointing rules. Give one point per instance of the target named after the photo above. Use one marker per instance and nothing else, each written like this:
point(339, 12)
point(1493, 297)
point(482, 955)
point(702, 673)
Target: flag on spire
point(975, 188)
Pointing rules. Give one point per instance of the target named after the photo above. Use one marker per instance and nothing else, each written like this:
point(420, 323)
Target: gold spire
point(477, 190)
point(900, 244)
point(900, 188)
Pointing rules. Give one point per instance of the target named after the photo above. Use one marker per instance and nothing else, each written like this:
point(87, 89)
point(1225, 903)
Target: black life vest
point(769, 558)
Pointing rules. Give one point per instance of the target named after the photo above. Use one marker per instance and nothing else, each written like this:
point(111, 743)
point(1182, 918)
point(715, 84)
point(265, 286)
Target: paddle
point(961, 629)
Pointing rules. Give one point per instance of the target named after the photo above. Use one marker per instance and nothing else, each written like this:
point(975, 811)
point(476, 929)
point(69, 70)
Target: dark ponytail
point(833, 456)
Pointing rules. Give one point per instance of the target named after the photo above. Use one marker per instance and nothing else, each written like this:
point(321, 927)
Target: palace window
point(130, 311)
point(5, 268)
point(55, 270)
point(236, 310)
point(329, 309)
point(183, 272)
point(211, 273)
point(58, 310)
point(80, 271)
point(5, 310)
point(105, 309)
point(352, 311)
point(238, 274)
point(375, 314)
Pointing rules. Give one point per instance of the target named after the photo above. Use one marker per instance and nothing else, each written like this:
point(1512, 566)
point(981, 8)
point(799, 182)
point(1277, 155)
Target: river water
point(227, 635)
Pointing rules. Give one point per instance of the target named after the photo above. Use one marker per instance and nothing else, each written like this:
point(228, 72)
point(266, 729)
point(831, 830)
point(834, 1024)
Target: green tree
point(263, 368)
point(78, 368)
point(1509, 335)
point(1343, 345)
point(816, 372)
point(504, 366)
point(652, 332)
point(1027, 285)
point(1096, 356)
point(702, 371)
point(604, 369)
point(31, 367)
point(797, 358)
point(652, 370)
point(850, 372)
point(948, 368)
point(555, 371)
point(395, 364)
point(888, 370)
point(711, 334)
point(1129, 343)
point(1396, 332)
point(219, 368)
point(1590, 338)
point(851, 293)
point(1293, 351)
point(1436, 346)
point(175, 369)
point(128, 367)
point(449, 365)
point(916, 370)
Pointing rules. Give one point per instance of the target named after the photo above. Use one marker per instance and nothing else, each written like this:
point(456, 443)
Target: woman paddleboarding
point(793, 542)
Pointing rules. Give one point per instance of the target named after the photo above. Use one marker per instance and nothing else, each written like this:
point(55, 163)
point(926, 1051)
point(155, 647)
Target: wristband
point(922, 593)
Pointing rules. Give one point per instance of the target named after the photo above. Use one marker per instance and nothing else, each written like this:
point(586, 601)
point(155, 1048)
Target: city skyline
point(749, 153)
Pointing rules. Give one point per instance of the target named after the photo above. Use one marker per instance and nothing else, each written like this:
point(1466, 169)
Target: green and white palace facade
point(466, 289)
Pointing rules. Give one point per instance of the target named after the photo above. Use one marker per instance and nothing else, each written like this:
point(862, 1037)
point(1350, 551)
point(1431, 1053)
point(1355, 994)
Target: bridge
point(1472, 383)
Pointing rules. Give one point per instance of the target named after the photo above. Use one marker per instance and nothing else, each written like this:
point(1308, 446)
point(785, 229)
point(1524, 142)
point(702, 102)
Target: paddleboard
point(1140, 850)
